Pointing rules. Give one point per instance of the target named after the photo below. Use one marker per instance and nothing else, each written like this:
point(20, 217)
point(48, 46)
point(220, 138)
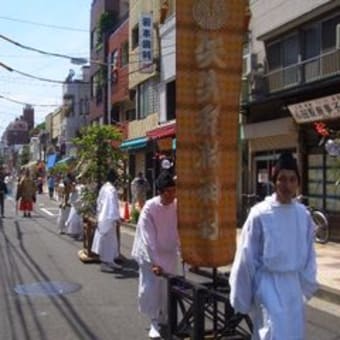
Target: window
point(93, 38)
point(283, 57)
point(124, 56)
point(114, 59)
point(274, 56)
point(135, 38)
point(147, 98)
point(86, 105)
point(329, 33)
point(81, 106)
point(311, 42)
point(283, 53)
point(143, 100)
point(96, 89)
point(171, 100)
point(130, 115)
point(93, 86)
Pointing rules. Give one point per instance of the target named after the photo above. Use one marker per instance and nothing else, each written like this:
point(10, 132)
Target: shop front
point(164, 147)
point(138, 150)
point(266, 141)
point(319, 122)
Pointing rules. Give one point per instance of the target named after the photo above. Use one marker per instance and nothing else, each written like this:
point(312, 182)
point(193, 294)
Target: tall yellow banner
point(208, 78)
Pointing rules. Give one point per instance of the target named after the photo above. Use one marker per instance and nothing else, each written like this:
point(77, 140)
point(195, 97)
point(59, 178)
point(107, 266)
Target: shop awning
point(65, 160)
point(162, 131)
point(51, 160)
point(131, 144)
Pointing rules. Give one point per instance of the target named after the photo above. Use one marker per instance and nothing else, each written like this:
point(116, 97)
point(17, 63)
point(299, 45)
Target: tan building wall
point(138, 128)
point(138, 7)
point(57, 117)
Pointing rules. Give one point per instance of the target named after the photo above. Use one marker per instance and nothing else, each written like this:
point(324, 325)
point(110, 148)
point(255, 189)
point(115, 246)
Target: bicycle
point(320, 220)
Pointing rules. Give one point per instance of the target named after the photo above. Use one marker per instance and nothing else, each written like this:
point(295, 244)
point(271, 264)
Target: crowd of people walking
point(274, 271)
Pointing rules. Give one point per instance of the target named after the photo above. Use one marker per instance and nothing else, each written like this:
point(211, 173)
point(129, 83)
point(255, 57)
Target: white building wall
point(168, 62)
point(267, 15)
point(80, 90)
point(34, 149)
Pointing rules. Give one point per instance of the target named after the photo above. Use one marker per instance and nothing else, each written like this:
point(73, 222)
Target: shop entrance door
point(263, 171)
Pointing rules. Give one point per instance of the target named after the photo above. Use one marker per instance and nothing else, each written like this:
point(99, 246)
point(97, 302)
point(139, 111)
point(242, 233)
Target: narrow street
point(83, 303)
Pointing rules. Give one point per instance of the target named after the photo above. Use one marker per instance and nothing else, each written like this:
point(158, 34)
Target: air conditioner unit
point(246, 65)
point(338, 36)
point(249, 63)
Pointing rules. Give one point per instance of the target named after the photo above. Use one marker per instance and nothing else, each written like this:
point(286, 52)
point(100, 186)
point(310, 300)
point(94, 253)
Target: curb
point(328, 294)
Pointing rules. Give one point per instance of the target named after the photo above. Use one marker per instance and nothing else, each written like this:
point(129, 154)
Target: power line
point(74, 60)
point(24, 103)
point(32, 76)
point(44, 25)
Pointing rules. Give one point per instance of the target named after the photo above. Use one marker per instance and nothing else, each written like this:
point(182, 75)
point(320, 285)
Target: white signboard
point(145, 43)
point(318, 109)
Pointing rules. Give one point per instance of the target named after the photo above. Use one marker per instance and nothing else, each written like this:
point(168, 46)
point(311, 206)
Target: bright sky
point(40, 33)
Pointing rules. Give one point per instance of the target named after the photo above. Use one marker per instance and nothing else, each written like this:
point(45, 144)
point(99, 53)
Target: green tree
point(106, 22)
point(98, 151)
point(25, 155)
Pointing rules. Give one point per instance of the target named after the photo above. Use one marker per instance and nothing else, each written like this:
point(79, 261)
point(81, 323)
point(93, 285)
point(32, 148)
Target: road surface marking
point(47, 212)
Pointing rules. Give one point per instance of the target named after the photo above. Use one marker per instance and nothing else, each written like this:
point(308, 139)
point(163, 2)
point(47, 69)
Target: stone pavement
point(328, 261)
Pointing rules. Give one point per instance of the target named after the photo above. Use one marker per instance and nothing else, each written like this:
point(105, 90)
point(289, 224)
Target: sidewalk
point(328, 261)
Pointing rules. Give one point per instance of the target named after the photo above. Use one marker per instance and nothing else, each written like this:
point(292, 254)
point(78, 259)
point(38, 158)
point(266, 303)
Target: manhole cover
point(50, 288)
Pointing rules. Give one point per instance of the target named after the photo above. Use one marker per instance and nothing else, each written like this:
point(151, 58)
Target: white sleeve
point(246, 262)
point(308, 275)
point(143, 245)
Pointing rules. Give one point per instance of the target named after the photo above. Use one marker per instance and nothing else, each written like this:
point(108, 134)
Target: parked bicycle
point(320, 221)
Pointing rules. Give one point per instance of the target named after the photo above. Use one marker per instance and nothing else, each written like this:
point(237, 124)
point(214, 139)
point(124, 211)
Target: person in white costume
point(74, 222)
point(274, 271)
point(156, 248)
point(105, 241)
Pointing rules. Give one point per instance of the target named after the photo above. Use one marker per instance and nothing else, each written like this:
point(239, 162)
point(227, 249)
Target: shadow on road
point(130, 269)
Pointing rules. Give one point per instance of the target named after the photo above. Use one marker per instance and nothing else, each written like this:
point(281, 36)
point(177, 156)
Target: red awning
point(162, 132)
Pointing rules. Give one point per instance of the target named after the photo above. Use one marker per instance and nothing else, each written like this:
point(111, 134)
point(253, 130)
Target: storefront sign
point(145, 43)
point(315, 110)
point(209, 63)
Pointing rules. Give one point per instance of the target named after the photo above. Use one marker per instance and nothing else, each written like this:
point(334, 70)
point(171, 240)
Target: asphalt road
point(78, 301)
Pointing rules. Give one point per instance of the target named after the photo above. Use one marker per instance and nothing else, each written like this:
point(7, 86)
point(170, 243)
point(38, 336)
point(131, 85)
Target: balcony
point(323, 66)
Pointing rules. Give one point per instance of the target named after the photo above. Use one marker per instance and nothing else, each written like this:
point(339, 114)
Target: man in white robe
point(105, 240)
point(74, 222)
point(274, 271)
point(155, 248)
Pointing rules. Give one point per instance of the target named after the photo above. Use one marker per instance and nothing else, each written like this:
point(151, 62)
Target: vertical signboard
point(208, 78)
point(145, 42)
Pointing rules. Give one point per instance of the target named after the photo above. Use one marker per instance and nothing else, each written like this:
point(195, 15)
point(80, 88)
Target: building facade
point(293, 58)
point(105, 17)
point(76, 100)
point(144, 43)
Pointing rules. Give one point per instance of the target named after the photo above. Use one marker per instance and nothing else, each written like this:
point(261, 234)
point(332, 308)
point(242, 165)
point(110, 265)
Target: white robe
point(274, 271)
point(105, 242)
point(62, 218)
point(74, 223)
point(156, 243)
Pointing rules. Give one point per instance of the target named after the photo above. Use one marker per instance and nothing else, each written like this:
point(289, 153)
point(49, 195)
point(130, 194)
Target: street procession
point(182, 180)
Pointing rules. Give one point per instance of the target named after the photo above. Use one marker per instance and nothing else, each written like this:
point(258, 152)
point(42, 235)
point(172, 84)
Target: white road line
point(47, 212)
